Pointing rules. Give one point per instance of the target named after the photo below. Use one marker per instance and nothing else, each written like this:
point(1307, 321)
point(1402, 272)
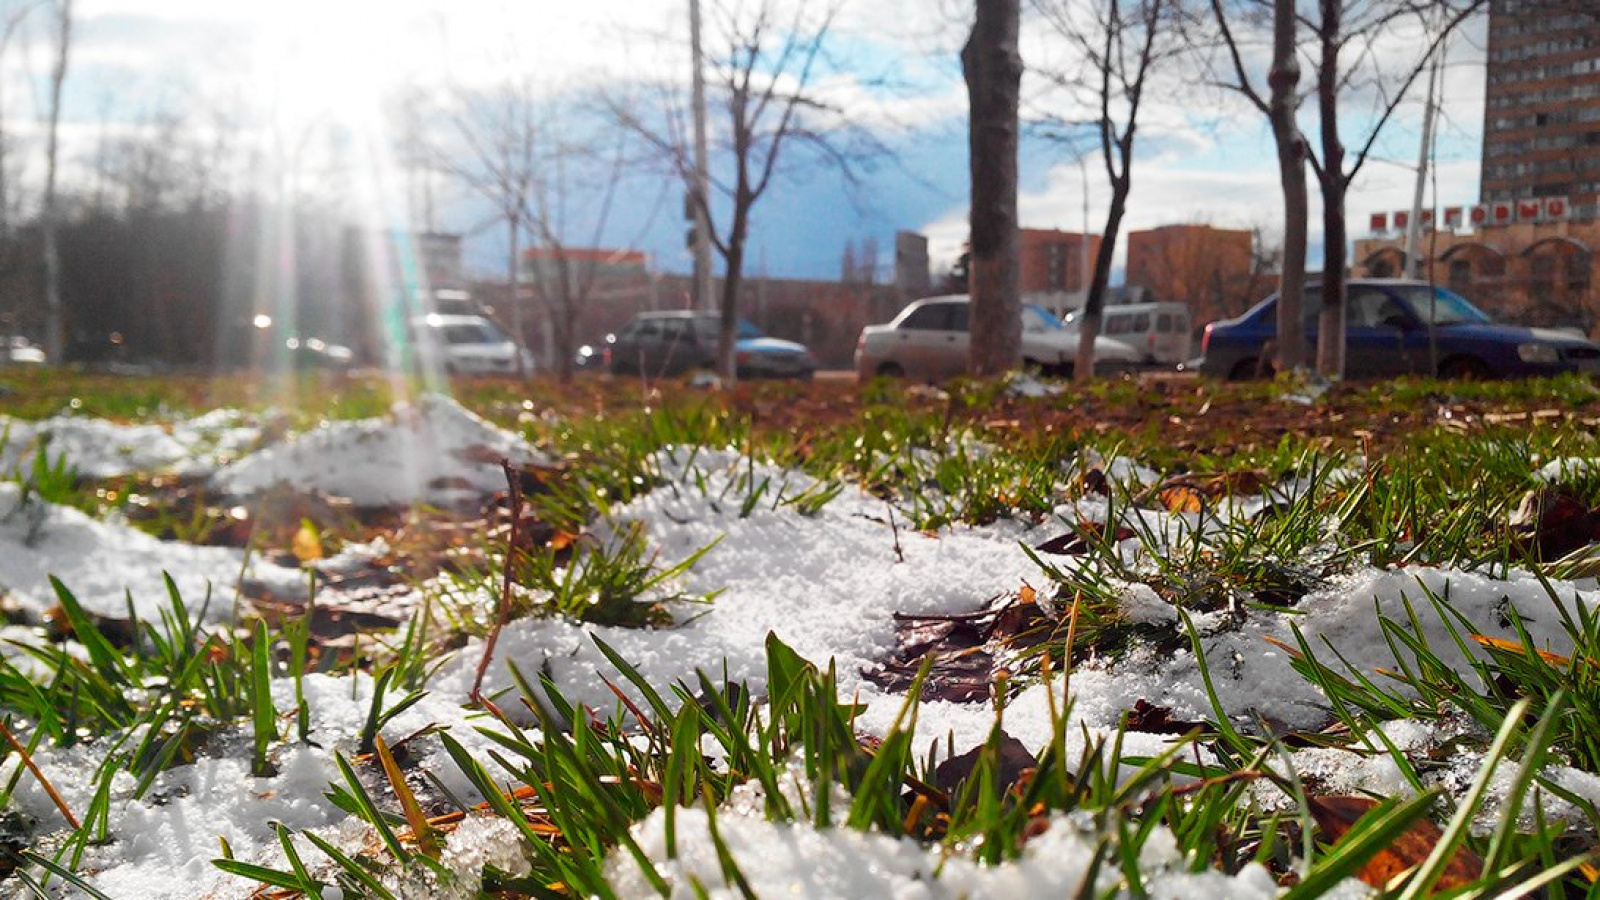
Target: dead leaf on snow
point(1015, 762)
point(1552, 522)
point(1336, 815)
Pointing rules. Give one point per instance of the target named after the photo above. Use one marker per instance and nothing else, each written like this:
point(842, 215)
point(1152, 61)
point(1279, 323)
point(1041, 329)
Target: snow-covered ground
point(827, 583)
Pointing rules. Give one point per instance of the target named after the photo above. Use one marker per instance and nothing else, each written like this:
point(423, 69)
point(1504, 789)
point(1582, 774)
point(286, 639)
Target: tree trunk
point(1282, 78)
point(566, 313)
point(1094, 303)
point(1330, 330)
point(992, 66)
point(733, 275)
point(55, 323)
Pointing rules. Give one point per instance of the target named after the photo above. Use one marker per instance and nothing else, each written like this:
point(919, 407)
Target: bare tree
point(11, 20)
point(1120, 48)
point(992, 65)
point(1358, 25)
point(1278, 104)
point(12, 17)
point(562, 278)
point(498, 133)
point(762, 60)
point(55, 325)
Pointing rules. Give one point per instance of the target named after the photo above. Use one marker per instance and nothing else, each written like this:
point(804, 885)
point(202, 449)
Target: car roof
point(675, 314)
point(438, 319)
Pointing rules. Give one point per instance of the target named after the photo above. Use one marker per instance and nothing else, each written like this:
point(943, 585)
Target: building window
point(1460, 276)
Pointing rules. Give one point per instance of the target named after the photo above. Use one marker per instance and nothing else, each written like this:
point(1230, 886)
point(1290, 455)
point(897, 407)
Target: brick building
point(1211, 270)
point(1052, 262)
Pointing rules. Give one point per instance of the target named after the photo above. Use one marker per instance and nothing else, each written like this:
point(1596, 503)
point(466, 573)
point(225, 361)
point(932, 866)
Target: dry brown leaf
point(1336, 815)
point(1181, 497)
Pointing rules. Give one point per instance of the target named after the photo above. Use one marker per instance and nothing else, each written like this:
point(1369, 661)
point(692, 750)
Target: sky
point(283, 71)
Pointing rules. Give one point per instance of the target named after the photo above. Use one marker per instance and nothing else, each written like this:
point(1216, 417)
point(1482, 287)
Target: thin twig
point(899, 553)
point(503, 612)
point(44, 782)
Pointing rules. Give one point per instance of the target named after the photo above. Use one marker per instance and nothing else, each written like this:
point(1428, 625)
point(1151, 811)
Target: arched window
point(1579, 266)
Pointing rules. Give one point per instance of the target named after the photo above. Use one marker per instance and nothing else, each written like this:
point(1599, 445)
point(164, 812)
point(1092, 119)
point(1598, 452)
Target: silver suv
point(929, 340)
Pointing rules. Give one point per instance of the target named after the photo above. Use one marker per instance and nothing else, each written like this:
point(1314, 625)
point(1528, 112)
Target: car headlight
point(1538, 353)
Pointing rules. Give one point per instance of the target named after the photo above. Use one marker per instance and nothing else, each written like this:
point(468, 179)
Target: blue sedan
point(1387, 333)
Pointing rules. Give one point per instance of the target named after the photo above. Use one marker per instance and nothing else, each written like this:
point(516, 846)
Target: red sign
point(1452, 217)
point(1529, 210)
point(1478, 215)
point(1401, 220)
point(1556, 209)
point(1380, 221)
point(1426, 218)
point(1502, 213)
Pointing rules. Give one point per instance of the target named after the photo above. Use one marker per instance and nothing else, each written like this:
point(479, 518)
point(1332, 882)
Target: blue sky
point(296, 65)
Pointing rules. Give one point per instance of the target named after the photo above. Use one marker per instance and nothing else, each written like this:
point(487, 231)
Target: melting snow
point(826, 582)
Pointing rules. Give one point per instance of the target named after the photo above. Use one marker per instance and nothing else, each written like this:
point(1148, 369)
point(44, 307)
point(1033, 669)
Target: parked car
point(316, 353)
point(1159, 331)
point(666, 344)
point(468, 345)
point(928, 340)
point(20, 351)
point(1387, 333)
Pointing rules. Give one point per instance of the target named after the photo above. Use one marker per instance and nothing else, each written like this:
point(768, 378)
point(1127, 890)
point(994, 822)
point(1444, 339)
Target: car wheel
point(891, 370)
point(1250, 367)
point(1464, 368)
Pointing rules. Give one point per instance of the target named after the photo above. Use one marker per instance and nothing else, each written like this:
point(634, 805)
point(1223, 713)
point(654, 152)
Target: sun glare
point(326, 77)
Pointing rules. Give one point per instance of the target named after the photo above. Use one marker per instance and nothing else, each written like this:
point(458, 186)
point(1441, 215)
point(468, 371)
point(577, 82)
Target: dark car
point(665, 344)
point(1387, 333)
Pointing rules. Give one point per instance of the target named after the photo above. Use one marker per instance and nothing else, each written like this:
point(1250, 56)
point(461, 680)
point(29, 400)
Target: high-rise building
point(1541, 128)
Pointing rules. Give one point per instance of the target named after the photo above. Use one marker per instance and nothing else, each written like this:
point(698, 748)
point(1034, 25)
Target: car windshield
point(707, 326)
point(1037, 318)
point(472, 333)
point(1448, 308)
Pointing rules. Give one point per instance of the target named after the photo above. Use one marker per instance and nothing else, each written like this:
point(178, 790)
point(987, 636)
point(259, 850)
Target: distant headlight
point(1538, 353)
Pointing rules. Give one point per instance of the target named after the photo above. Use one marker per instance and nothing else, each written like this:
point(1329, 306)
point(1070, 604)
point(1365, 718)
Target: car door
point(927, 341)
point(625, 350)
point(674, 349)
point(1376, 334)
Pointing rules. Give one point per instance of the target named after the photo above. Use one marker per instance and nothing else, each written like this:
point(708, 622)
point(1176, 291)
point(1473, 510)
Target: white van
point(1159, 331)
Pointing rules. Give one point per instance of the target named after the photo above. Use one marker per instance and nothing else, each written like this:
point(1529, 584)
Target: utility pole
point(699, 191)
point(1414, 224)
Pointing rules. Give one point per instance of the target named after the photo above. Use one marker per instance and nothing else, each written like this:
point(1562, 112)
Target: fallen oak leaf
point(1014, 762)
point(1337, 815)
